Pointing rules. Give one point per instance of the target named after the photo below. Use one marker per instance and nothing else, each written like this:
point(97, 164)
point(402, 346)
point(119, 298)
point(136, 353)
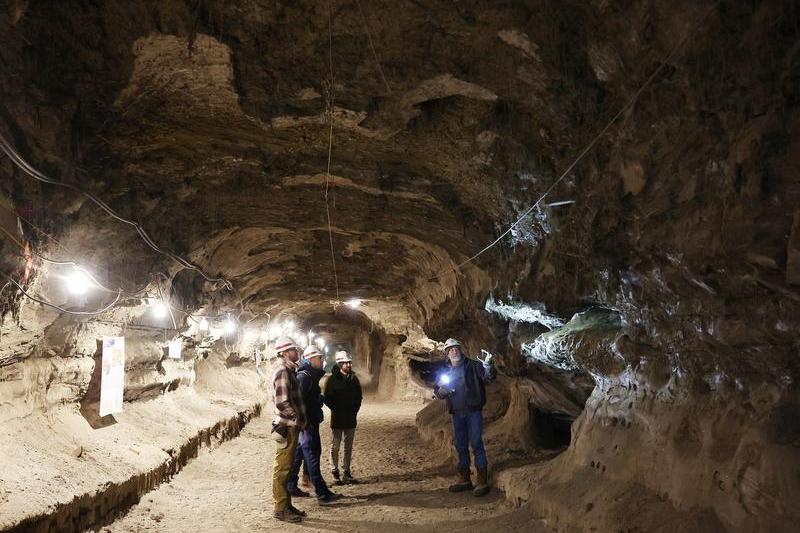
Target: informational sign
point(175, 347)
point(112, 381)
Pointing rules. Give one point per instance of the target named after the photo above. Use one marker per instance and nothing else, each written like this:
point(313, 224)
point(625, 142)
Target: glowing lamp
point(353, 303)
point(444, 379)
point(230, 326)
point(320, 342)
point(203, 325)
point(78, 282)
point(159, 309)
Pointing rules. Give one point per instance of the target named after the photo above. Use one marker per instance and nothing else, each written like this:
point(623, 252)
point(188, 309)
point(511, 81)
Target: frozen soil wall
point(651, 299)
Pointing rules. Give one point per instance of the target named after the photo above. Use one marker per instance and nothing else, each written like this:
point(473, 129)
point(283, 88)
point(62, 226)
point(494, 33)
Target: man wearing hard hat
point(289, 420)
point(343, 396)
point(461, 383)
point(310, 447)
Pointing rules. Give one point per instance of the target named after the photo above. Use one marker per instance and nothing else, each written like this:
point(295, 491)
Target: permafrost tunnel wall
point(290, 158)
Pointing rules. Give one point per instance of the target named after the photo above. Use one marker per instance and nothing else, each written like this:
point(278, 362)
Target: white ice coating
point(533, 228)
point(557, 347)
point(555, 351)
point(520, 312)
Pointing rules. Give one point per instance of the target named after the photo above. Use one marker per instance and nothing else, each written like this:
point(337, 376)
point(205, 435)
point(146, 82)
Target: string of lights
point(29, 170)
point(58, 307)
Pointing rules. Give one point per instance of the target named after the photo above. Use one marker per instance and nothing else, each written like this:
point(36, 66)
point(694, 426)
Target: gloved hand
point(487, 360)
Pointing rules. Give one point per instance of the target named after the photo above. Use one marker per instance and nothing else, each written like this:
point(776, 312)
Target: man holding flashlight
point(461, 383)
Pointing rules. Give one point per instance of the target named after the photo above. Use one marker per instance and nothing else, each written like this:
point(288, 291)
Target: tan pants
point(280, 471)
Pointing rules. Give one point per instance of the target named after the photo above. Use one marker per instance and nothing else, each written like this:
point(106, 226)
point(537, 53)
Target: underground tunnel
point(599, 200)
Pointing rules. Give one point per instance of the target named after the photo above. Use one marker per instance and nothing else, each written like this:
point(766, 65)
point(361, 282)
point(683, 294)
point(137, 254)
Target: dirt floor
point(404, 488)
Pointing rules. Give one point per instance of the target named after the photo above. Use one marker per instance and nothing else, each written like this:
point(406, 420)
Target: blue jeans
point(468, 430)
point(308, 450)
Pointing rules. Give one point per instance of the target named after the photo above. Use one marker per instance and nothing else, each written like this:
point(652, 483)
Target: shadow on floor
point(513, 519)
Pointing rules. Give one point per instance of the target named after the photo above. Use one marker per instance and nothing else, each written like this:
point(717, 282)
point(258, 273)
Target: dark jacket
point(475, 376)
point(343, 397)
point(309, 377)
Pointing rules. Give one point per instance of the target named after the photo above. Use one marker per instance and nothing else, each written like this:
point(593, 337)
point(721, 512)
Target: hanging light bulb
point(353, 303)
point(159, 309)
point(78, 282)
point(230, 326)
point(320, 342)
point(203, 325)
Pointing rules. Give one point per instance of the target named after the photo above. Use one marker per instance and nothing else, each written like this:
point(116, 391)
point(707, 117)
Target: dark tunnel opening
point(550, 430)
point(424, 372)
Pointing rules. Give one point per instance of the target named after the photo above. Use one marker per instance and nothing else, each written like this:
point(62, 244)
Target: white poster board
point(175, 347)
point(112, 381)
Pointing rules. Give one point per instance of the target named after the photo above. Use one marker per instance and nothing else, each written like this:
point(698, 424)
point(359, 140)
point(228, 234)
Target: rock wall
point(669, 285)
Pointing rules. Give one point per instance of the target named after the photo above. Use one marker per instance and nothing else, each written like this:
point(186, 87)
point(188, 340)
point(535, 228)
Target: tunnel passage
point(425, 372)
point(550, 430)
point(637, 156)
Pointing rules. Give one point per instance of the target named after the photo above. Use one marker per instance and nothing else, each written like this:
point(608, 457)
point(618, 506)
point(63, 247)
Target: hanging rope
point(588, 147)
point(372, 47)
point(330, 148)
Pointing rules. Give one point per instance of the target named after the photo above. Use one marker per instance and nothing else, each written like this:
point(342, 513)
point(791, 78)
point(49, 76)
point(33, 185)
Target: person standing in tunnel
point(343, 397)
point(461, 384)
point(289, 420)
point(310, 446)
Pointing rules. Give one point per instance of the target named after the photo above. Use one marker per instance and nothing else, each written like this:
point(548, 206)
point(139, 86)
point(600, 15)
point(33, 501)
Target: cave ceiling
point(209, 123)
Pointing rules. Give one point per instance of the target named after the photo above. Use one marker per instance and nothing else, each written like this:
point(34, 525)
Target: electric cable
point(588, 147)
point(57, 307)
point(23, 165)
point(75, 265)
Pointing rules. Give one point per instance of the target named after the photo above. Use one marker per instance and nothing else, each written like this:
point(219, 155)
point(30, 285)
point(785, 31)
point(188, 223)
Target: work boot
point(329, 498)
point(287, 516)
point(348, 479)
point(297, 512)
point(297, 492)
point(482, 484)
point(335, 474)
point(463, 483)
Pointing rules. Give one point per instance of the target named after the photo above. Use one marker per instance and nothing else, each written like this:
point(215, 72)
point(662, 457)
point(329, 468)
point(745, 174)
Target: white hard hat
point(284, 343)
point(311, 351)
point(450, 343)
point(342, 357)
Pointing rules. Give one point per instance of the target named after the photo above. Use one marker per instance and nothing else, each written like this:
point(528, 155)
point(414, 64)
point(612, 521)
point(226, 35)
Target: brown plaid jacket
point(289, 407)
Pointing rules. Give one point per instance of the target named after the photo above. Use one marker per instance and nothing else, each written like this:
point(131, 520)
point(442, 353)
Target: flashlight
point(444, 379)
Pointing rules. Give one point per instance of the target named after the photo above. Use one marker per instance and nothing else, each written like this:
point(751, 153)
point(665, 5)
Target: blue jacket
point(309, 377)
point(475, 378)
